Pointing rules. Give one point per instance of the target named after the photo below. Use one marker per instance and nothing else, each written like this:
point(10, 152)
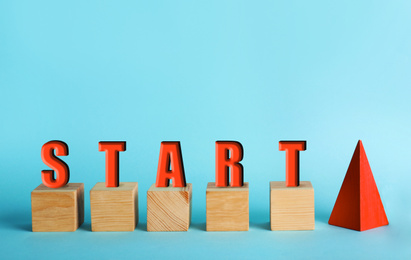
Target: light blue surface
point(199, 71)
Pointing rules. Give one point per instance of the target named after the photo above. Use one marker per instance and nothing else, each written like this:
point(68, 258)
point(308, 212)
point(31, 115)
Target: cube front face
point(57, 210)
point(227, 208)
point(169, 208)
point(114, 209)
point(292, 208)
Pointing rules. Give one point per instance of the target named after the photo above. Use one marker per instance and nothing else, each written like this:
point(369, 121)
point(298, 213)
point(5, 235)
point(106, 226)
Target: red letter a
point(170, 165)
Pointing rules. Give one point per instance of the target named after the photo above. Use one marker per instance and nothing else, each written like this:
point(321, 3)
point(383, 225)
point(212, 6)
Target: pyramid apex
point(360, 148)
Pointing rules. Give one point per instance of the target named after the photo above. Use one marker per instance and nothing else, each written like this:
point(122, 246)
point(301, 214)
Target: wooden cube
point(169, 208)
point(114, 209)
point(60, 209)
point(291, 208)
point(227, 208)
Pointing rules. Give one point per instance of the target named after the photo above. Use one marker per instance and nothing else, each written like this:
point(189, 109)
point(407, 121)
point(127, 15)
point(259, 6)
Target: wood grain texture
point(291, 208)
point(227, 208)
point(169, 208)
point(114, 209)
point(57, 210)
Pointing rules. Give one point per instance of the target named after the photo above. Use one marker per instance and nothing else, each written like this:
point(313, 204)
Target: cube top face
point(281, 185)
point(57, 210)
point(114, 209)
point(292, 208)
point(69, 187)
point(227, 208)
point(171, 188)
point(123, 186)
point(169, 208)
point(211, 187)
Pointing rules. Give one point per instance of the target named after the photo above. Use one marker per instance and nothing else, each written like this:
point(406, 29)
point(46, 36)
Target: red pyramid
point(358, 204)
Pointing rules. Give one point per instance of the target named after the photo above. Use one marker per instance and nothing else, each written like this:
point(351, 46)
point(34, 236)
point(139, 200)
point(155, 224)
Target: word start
point(170, 165)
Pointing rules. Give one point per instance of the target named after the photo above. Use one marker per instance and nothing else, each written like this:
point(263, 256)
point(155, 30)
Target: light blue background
point(199, 71)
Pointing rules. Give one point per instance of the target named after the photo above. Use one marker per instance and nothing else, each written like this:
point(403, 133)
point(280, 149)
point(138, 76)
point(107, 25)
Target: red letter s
point(62, 170)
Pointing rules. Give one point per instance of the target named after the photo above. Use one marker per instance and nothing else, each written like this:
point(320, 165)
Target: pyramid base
point(356, 228)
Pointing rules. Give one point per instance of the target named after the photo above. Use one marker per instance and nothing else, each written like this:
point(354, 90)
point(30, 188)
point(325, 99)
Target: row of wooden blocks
point(168, 209)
